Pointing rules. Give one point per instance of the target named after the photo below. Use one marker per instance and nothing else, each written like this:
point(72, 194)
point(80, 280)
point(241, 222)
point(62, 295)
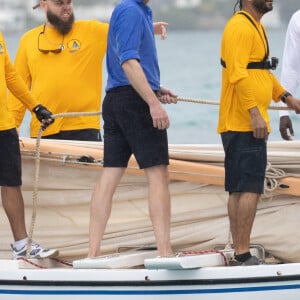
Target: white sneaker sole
point(47, 254)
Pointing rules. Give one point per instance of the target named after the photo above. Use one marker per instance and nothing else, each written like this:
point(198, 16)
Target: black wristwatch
point(284, 96)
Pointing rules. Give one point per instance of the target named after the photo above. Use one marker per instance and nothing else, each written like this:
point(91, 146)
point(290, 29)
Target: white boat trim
point(115, 261)
point(186, 261)
point(234, 282)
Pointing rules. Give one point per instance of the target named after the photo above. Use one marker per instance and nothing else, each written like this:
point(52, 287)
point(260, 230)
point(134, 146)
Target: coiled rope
point(271, 182)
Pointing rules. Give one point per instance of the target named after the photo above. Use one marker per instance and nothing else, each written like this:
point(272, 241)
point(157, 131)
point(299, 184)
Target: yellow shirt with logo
point(9, 79)
point(244, 88)
point(69, 81)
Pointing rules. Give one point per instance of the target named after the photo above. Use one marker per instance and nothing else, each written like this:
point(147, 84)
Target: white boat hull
point(276, 282)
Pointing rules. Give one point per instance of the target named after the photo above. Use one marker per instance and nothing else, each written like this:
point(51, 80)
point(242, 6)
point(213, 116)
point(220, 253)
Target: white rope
point(271, 182)
point(37, 170)
point(76, 114)
point(35, 192)
point(212, 102)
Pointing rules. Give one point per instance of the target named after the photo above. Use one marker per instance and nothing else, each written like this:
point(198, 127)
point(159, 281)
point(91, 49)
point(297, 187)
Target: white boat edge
point(279, 281)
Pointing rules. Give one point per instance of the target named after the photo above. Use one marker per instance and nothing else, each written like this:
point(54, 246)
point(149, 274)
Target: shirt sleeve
point(18, 88)
point(245, 93)
point(278, 89)
point(237, 51)
point(237, 59)
point(16, 105)
point(129, 29)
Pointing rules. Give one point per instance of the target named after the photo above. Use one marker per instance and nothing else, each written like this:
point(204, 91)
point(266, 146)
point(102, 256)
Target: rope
point(32, 263)
point(37, 171)
point(211, 102)
point(75, 114)
point(271, 180)
point(181, 99)
point(35, 192)
point(44, 267)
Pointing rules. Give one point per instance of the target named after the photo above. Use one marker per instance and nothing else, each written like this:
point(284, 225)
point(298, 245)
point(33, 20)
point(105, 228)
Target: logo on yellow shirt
point(74, 45)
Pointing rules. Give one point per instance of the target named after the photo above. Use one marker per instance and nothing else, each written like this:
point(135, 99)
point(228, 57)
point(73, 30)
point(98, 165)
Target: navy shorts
point(245, 162)
point(77, 135)
point(10, 158)
point(128, 129)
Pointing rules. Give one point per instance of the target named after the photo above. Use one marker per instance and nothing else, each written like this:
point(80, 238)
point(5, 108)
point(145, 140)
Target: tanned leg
point(232, 207)
point(246, 215)
point(160, 207)
point(13, 205)
point(101, 205)
point(242, 211)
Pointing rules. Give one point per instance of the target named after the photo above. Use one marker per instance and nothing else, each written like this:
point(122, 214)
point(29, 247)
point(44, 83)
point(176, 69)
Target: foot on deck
point(251, 261)
point(36, 251)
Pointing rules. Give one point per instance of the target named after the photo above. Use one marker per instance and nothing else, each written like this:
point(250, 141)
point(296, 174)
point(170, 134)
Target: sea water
point(190, 67)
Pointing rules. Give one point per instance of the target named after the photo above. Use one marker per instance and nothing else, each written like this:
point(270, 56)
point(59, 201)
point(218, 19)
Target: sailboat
point(129, 267)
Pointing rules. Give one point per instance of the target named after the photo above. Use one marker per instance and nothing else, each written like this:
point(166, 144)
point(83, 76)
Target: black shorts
point(128, 129)
point(10, 158)
point(92, 135)
point(245, 162)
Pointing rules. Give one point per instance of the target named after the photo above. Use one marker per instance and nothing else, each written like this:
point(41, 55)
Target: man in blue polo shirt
point(134, 121)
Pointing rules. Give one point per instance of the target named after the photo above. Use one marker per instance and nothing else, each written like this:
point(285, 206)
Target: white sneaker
point(36, 252)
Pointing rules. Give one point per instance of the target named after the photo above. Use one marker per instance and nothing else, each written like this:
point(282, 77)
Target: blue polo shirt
point(131, 36)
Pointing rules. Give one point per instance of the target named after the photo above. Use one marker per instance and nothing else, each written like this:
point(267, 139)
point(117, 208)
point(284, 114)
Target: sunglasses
point(59, 47)
point(61, 2)
point(56, 2)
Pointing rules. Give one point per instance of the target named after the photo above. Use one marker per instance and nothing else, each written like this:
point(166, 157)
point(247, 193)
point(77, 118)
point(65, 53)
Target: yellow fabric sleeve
point(11, 80)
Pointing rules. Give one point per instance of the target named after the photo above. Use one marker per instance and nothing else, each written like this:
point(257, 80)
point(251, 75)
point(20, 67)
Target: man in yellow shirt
point(61, 63)
point(248, 86)
point(10, 158)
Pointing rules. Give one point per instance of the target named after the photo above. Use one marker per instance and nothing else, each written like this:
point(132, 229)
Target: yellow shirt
point(9, 79)
point(69, 81)
point(244, 88)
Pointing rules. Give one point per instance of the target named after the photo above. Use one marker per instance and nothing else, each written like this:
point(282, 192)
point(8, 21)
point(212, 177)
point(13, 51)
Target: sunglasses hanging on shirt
point(45, 45)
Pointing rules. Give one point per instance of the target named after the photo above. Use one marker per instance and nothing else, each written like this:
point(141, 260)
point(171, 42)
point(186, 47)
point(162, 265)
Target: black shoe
point(251, 261)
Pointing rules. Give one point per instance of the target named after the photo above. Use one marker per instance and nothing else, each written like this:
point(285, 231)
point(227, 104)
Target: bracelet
point(284, 96)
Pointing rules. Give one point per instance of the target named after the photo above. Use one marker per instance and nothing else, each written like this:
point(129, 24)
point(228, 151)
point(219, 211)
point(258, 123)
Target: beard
point(63, 27)
point(261, 6)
